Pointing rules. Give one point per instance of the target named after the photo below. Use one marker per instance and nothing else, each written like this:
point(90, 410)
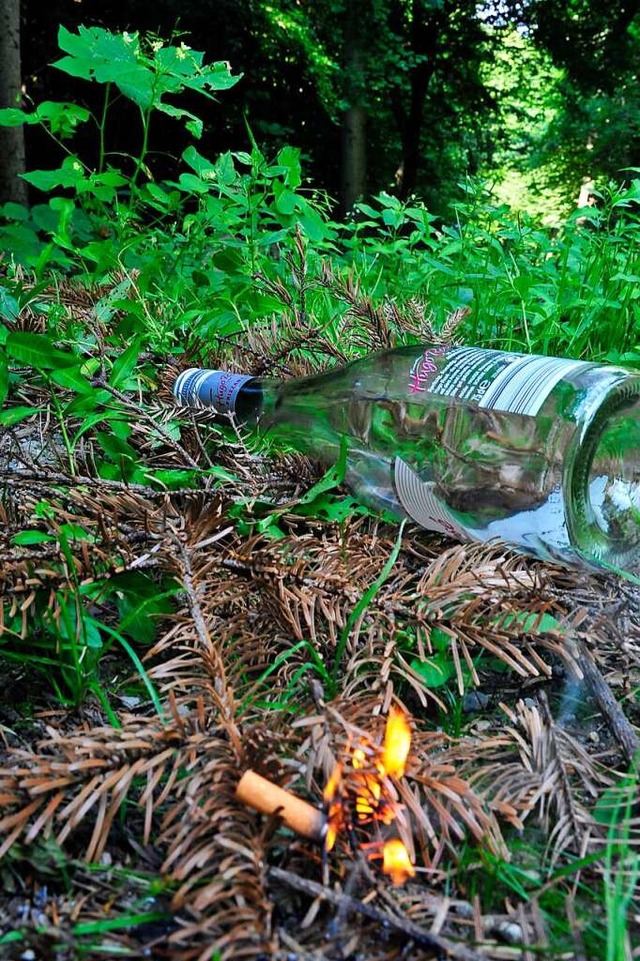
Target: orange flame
point(365, 798)
point(397, 743)
point(331, 788)
point(333, 804)
point(358, 758)
point(396, 861)
point(368, 797)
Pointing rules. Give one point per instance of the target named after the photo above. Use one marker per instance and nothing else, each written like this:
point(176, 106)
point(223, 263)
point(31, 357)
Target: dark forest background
point(539, 99)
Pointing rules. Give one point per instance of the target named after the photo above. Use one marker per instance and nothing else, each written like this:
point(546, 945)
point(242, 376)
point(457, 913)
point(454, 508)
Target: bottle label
point(514, 383)
point(517, 383)
point(209, 388)
point(422, 504)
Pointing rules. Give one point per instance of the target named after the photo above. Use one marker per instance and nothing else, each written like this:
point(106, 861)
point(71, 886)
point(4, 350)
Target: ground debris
point(127, 838)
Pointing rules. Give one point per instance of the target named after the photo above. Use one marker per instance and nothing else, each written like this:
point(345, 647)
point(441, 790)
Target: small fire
point(396, 861)
point(332, 796)
point(365, 797)
point(397, 742)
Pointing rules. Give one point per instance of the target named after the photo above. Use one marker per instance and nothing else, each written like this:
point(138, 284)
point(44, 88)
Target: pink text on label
point(423, 367)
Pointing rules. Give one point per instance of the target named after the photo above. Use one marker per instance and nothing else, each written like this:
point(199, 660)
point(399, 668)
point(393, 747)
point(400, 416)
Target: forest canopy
point(537, 98)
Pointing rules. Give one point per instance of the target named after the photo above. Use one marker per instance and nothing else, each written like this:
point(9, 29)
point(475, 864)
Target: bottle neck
point(218, 389)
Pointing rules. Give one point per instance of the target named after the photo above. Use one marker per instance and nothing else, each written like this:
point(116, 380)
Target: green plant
point(115, 507)
point(621, 864)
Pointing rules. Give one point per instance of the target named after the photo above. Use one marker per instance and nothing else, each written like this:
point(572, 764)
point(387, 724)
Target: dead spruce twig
point(442, 947)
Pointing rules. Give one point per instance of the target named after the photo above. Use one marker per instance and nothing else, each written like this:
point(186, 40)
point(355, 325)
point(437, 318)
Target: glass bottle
point(543, 453)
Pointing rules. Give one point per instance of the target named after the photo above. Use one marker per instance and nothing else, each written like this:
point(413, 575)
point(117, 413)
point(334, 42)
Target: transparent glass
point(563, 483)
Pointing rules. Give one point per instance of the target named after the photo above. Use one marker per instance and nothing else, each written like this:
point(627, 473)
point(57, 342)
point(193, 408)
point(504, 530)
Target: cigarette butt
point(267, 798)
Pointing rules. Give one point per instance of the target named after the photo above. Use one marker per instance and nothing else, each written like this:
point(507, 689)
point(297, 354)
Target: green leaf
point(144, 77)
point(17, 212)
point(125, 461)
point(329, 480)
point(4, 379)
point(202, 166)
point(87, 403)
point(125, 365)
point(161, 199)
point(102, 185)
point(289, 158)
point(530, 623)
point(129, 921)
point(334, 509)
point(615, 803)
point(226, 170)
point(13, 117)
point(286, 200)
point(75, 532)
point(175, 479)
point(61, 118)
point(37, 350)
point(90, 421)
point(195, 127)
point(91, 635)
point(9, 307)
point(194, 124)
point(96, 54)
point(11, 936)
point(13, 416)
point(72, 378)
point(70, 174)
point(28, 538)
point(192, 184)
point(434, 671)
point(439, 639)
point(140, 613)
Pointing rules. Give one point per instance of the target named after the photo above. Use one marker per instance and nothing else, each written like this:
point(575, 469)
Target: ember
point(397, 742)
point(333, 806)
point(364, 796)
point(396, 862)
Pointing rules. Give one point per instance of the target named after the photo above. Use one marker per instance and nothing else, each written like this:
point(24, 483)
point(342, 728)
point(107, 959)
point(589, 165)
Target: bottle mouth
point(606, 482)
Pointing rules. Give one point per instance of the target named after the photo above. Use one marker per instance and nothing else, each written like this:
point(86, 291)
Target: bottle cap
point(199, 387)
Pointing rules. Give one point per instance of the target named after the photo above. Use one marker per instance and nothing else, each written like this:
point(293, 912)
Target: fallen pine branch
point(619, 724)
point(442, 947)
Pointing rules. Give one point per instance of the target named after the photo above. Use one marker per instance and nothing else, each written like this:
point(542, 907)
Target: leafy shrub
point(176, 262)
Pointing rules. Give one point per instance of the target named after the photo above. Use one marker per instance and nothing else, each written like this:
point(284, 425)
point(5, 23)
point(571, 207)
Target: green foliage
point(143, 72)
point(569, 291)
point(187, 252)
point(362, 605)
point(67, 639)
point(177, 261)
point(622, 871)
point(596, 41)
point(438, 669)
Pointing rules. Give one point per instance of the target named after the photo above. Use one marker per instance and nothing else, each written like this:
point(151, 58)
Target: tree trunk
point(423, 39)
point(353, 173)
point(12, 155)
point(354, 157)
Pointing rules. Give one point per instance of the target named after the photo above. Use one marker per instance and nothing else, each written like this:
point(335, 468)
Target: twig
point(296, 948)
point(142, 415)
point(621, 727)
point(18, 478)
point(442, 947)
point(223, 694)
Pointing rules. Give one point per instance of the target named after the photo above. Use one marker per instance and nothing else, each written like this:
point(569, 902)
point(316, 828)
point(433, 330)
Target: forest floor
point(293, 625)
